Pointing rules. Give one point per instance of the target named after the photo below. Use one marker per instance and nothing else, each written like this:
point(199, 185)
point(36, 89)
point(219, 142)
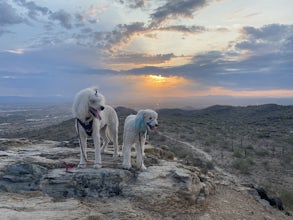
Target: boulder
point(22, 177)
point(81, 183)
point(167, 185)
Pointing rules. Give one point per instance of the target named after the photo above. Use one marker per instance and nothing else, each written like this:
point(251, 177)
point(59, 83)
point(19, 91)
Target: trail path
point(228, 176)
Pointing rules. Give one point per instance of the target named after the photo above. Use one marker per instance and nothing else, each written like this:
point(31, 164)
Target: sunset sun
point(158, 78)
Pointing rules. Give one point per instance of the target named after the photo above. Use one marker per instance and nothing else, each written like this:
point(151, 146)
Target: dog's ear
point(95, 89)
point(139, 121)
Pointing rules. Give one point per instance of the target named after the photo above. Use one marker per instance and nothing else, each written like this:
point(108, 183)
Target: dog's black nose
point(156, 125)
point(102, 108)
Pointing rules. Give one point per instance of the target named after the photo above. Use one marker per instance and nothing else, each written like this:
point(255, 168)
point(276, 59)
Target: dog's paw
point(143, 167)
point(115, 156)
point(97, 166)
point(126, 166)
point(81, 165)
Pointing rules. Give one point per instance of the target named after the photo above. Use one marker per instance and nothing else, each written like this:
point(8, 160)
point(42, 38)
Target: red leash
point(69, 166)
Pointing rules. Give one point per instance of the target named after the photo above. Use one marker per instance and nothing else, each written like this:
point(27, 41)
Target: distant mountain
point(262, 115)
point(123, 111)
point(246, 115)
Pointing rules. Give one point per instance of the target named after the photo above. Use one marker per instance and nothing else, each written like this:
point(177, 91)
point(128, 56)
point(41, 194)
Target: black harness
point(87, 126)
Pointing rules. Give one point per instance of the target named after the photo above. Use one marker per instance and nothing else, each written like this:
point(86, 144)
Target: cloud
point(33, 8)
point(65, 18)
point(183, 29)
point(145, 59)
point(256, 61)
point(17, 51)
point(62, 59)
point(267, 39)
point(90, 15)
point(2, 32)
point(121, 35)
point(153, 85)
point(8, 15)
point(133, 3)
point(219, 91)
point(176, 9)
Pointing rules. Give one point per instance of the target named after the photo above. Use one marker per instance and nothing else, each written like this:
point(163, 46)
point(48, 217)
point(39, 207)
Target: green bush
point(287, 198)
point(262, 152)
point(180, 151)
point(288, 159)
point(237, 154)
point(250, 147)
point(243, 165)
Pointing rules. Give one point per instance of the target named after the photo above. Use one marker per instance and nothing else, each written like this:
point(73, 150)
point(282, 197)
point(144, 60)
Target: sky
point(149, 53)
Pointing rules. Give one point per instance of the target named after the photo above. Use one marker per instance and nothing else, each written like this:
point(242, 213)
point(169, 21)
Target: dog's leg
point(83, 148)
point(115, 142)
point(97, 144)
point(126, 155)
point(104, 138)
point(114, 137)
point(139, 153)
point(142, 143)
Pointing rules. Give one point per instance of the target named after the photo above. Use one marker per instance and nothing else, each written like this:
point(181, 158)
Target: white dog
point(135, 131)
point(94, 118)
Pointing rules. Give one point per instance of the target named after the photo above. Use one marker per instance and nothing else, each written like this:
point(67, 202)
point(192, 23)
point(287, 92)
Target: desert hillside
point(201, 165)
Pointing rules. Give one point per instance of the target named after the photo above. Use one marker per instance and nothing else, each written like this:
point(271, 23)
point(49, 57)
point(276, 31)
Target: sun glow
point(157, 85)
point(158, 78)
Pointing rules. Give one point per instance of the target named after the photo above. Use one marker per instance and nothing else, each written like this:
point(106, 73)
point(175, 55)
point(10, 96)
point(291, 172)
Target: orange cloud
point(157, 85)
point(273, 93)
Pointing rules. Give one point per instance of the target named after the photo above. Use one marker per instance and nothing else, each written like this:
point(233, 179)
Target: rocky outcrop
point(165, 184)
point(22, 177)
point(160, 184)
point(169, 185)
point(81, 183)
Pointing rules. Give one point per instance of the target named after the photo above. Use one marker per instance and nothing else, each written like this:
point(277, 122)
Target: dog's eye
point(150, 118)
point(92, 101)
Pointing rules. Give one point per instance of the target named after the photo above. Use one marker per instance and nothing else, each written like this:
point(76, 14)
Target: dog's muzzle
point(152, 127)
point(95, 112)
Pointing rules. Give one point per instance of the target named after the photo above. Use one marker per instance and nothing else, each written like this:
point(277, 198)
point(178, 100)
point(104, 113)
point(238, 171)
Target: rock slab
point(81, 183)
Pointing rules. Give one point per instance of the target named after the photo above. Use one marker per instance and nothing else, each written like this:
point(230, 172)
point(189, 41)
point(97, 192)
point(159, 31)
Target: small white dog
point(135, 131)
point(94, 118)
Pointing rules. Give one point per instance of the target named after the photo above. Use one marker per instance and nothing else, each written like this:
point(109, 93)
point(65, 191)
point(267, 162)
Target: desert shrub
point(162, 138)
point(243, 165)
point(266, 165)
point(289, 140)
point(262, 152)
point(288, 159)
point(180, 151)
point(225, 145)
point(210, 165)
point(287, 198)
point(196, 160)
point(250, 147)
point(207, 143)
point(207, 149)
point(182, 136)
point(237, 154)
point(190, 138)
